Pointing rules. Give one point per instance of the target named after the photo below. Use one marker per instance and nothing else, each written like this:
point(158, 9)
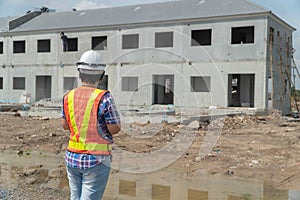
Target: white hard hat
point(91, 63)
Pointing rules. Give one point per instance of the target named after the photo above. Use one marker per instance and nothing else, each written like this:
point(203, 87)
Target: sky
point(288, 10)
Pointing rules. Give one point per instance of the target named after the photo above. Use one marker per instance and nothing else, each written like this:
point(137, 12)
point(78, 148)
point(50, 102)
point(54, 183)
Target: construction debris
point(10, 107)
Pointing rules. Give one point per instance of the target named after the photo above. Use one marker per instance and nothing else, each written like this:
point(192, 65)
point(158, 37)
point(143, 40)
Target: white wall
point(182, 89)
point(182, 60)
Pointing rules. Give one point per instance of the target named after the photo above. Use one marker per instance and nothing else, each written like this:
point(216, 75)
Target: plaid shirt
point(107, 114)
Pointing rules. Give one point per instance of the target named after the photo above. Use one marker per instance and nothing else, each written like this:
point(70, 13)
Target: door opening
point(43, 87)
point(241, 90)
point(163, 87)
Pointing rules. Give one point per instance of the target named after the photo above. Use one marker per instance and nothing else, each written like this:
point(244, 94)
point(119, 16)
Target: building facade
point(235, 55)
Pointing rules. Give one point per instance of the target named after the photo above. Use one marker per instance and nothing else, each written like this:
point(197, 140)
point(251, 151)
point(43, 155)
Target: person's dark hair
point(62, 33)
point(89, 78)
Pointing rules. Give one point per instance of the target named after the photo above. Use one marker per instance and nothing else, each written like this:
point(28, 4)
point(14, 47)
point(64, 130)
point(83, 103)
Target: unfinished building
point(189, 53)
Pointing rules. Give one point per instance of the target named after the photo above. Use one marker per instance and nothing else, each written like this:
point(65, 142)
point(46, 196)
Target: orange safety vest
point(82, 120)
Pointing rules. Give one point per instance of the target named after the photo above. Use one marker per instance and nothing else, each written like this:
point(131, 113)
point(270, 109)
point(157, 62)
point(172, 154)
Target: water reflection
point(49, 171)
point(167, 185)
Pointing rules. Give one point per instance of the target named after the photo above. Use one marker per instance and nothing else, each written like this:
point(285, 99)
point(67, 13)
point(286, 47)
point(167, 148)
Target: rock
point(17, 115)
point(211, 155)
point(180, 126)
point(255, 161)
point(261, 118)
point(20, 153)
point(283, 124)
point(290, 130)
point(194, 125)
point(198, 159)
point(229, 172)
point(212, 172)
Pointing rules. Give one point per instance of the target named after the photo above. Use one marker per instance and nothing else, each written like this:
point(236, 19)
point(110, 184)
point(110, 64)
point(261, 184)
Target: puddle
point(166, 185)
point(48, 170)
point(37, 168)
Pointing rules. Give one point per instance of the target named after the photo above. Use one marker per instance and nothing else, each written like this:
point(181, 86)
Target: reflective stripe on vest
point(95, 147)
point(84, 136)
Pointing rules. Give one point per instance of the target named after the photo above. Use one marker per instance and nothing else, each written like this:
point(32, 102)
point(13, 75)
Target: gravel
point(32, 194)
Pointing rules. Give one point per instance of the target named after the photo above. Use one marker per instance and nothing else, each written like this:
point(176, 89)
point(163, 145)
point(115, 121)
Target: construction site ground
point(263, 148)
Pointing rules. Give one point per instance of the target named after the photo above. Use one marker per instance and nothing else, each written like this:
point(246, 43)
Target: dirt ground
point(259, 147)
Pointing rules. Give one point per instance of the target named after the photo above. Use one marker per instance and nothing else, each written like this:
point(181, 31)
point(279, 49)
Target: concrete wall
point(182, 89)
point(278, 65)
point(182, 60)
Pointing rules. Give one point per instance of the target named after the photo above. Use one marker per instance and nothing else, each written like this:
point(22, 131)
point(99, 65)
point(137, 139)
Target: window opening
point(130, 41)
point(164, 39)
point(99, 43)
point(1, 47)
point(242, 35)
point(70, 83)
point(201, 37)
point(72, 44)
point(19, 46)
point(129, 83)
point(19, 83)
point(1, 83)
point(43, 46)
point(200, 84)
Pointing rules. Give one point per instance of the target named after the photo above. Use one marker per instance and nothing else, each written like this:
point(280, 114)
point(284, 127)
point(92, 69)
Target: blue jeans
point(88, 184)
